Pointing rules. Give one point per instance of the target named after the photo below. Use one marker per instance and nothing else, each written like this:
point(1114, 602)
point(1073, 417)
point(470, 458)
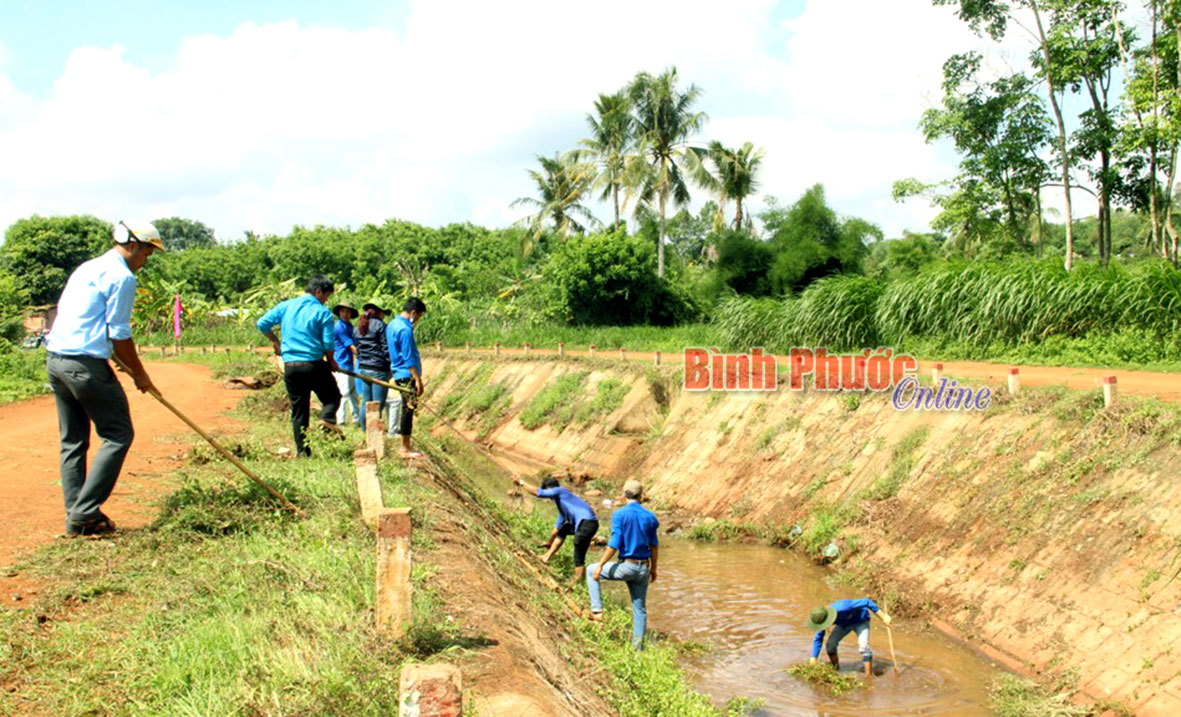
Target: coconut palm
point(734, 175)
point(561, 184)
point(664, 122)
point(609, 144)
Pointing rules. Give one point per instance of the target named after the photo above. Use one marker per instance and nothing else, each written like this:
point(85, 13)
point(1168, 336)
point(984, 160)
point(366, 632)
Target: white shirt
point(95, 308)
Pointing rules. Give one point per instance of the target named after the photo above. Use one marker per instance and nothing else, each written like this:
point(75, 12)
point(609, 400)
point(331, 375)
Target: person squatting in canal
point(844, 617)
point(575, 517)
point(633, 539)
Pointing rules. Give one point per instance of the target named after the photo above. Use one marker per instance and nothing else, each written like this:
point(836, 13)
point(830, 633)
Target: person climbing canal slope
point(844, 617)
point(575, 517)
point(633, 538)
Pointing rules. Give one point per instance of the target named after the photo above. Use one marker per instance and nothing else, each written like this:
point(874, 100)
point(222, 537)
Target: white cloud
point(435, 122)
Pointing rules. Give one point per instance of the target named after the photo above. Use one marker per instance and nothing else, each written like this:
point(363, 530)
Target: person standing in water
point(844, 617)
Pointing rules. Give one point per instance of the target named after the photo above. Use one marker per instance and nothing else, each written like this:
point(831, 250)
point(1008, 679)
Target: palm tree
point(561, 184)
point(609, 144)
point(664, 121)
point(734, 175)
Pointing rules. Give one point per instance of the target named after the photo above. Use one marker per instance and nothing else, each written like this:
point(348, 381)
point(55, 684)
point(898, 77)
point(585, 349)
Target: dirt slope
point(1041, 529)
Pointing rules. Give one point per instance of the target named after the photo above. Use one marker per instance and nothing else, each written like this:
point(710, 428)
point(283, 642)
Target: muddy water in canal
point(749, 604)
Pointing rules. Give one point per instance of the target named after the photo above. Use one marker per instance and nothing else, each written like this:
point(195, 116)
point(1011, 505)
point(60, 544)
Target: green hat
point(344, 305)
point(821, 618)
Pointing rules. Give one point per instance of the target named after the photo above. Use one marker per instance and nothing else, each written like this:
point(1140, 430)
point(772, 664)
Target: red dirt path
point(29, 482)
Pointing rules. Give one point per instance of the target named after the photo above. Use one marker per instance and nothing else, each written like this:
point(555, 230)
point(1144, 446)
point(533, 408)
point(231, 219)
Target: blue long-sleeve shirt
point(399, 337)
point(307, 328)
point(849, 613)
point(571, 508)
point(342, 334)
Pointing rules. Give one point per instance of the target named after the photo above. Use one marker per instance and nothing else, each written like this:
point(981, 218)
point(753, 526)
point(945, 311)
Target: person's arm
point(817, 643)
point(531, 489)
point(873, 606)
point(126, 353)
point(652, 564)
point(267, 325)
point(607, 555)
point(118, 316)
point(328, 341)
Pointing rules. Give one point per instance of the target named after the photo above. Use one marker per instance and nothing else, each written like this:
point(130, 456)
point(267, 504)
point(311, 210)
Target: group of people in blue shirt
point(315, 345)
point(631, 557)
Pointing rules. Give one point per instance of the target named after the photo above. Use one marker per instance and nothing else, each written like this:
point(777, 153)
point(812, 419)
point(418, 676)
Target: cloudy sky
point(260, 114)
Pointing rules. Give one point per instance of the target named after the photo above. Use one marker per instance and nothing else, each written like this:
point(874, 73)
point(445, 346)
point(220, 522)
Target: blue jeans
point(840, 631)
point(370, 391)
point(636, 577)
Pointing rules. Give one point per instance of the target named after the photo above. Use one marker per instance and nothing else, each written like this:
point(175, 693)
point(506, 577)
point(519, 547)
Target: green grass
point(578, 338)
point(225, 604)
point(901, 465)
point(556, 403)
point(609, 395)
point(826, 678)
point(22, 374)
point(1012, 696)
point(825, 526)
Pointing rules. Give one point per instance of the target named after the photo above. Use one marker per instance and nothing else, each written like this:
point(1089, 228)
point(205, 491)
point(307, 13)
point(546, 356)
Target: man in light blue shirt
point(406, 367)
point(94, 320)
point(633, 538)
point(306, 349)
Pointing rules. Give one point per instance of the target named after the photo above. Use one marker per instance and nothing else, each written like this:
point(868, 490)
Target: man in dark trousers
point(575, 517)
point(94, 320)
point(306, 349)
point(406, 367)
point(633, 538)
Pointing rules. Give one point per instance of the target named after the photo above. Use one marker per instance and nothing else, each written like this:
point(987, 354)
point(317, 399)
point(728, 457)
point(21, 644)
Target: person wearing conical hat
point(844, 617)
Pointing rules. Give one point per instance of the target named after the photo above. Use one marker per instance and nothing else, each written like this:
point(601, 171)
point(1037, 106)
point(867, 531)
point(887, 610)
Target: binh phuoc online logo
point(880, 370)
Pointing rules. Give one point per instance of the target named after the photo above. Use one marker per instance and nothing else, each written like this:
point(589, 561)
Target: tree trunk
point(1061, 136)
point(660, 238)
point(738, 214)
point(615, 198)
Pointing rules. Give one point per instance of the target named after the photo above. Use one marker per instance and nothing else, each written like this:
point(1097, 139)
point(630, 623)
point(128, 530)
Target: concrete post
point(163, 352)
point(374, 435)
point(1109, 391)
point(202, 350)
point(525, 349)
point(622, 353)
point(430, 691)
point(438, 346)
point(656, 358)
point(227, 351)
point(496, 350)
point(936, 373)
point(1014, 381)
point(368, 486)
point(561, 350)
point(392, 607)
point(591, 351)
point(468, 347)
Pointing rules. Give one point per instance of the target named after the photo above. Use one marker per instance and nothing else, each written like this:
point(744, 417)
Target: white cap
point(138, 230)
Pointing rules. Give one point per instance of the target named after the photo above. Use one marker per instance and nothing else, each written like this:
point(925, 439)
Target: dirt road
point(29, 483)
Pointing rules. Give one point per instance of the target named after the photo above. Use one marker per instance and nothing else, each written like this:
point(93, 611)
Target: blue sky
point(259, 115)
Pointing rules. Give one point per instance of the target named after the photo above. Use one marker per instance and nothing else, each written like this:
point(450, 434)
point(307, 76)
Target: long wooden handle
point(217, 446)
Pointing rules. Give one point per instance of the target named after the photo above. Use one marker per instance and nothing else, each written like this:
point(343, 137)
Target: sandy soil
point(29, 480)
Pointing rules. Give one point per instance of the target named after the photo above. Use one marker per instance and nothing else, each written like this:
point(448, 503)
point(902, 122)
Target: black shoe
point(99, 525)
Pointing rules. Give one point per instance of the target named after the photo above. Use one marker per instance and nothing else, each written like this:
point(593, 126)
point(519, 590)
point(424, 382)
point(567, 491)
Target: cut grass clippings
point(1012, 696)
point(825, 677)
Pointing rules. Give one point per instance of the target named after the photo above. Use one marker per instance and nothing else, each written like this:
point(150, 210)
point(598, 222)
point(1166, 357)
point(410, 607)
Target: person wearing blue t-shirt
point(346, 358)
point(406, 368)
point(844, 617)
point(633, 539)
point(575, 517)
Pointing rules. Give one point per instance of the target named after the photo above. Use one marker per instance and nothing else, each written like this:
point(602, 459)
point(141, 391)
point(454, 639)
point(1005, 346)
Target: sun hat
point(344, 305)
point(375, 307)
point(138, 231)
point(633, 487)
point(821, 618)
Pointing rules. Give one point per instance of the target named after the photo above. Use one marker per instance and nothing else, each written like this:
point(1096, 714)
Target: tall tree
point(561, 185)
point(610, 144)
point(665, 121)
point(42, 251)
point(734, 175)
point(992, 17)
